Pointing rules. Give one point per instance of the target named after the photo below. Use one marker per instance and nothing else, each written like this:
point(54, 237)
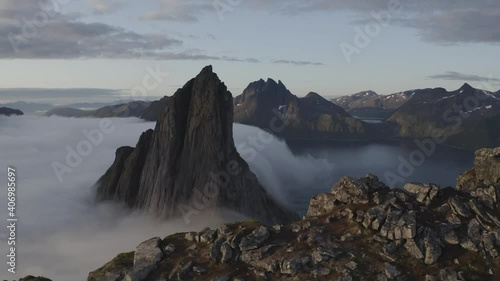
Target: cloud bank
point(63, 234)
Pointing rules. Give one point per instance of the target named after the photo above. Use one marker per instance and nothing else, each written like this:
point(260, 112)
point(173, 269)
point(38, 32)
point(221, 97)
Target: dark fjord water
point(293, 172)
point(391, 162)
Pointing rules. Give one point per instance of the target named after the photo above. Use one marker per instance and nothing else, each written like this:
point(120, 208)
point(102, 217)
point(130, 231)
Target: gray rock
point(467, 244)
point(320, 272)
point(479, 211)
point(215, 250)
point(208, 236)
point(432, 249)
point(321, 254)
point(169, 249)
point(321, 204)
point(424, 193)
point(350, 191)
point(459, 208)
point(352, 265)
point(227, 253)
point(199, 270)
point(391, 271)
point(191, 236)
point(382, 277)
point(146, 256)
point(474, 231)
point(291, 265)
point(236, 240)
point(413, 249)
point(223, 229)
point(487, 166)
point(255, 239)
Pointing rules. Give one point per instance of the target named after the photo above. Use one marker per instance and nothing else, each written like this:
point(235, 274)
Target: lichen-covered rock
point(483, 181)
point(424, 193)
point(350, 191)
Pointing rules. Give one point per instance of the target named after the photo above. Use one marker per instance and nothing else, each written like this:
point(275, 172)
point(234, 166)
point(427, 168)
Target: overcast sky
point(312, 45)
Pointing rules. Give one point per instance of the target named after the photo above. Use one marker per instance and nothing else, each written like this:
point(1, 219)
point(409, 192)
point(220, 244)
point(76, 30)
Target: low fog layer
point(63, 235)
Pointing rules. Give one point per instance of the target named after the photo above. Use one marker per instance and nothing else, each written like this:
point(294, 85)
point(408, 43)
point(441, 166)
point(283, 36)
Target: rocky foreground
point(361, 230)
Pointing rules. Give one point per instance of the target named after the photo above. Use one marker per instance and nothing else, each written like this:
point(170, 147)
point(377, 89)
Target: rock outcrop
point(10, 111)
point(482, 179)
point(270, 106)
point(189, 162)
point(361, 230)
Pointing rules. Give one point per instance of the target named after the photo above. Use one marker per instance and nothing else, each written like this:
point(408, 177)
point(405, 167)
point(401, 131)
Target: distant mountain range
point(36, 108)
point(270, 105)
point(131, 109)
point(369, 104)
point(467, 117)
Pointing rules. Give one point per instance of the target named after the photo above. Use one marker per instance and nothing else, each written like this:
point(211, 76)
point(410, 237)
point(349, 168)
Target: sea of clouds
point(63, 234)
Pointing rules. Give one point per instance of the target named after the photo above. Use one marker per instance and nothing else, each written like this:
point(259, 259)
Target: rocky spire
point(189, 162)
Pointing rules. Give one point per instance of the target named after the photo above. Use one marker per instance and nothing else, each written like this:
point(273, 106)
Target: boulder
point(424, 193)
point(350, 191)
point(146, 256)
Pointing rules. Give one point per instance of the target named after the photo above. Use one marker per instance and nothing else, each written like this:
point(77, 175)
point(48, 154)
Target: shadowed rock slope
point(189, 160)
point(270, 106)
point(155, 110)
point(361, 230)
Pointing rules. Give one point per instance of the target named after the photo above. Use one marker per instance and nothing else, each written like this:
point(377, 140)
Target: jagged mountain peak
point(191, 145)
point(466, 87)
point(314, 95)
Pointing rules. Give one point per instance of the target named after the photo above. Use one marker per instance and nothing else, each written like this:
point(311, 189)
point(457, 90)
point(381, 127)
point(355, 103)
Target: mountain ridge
point(271, 106)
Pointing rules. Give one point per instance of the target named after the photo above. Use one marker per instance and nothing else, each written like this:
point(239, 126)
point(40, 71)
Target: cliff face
point(190, 160)
point(270, 106)
point(155, 110)
point(361, 230)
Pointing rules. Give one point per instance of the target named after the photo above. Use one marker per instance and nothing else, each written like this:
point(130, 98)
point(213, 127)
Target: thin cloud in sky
point(105, 6)
point(457, 76)
point(439, 22)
